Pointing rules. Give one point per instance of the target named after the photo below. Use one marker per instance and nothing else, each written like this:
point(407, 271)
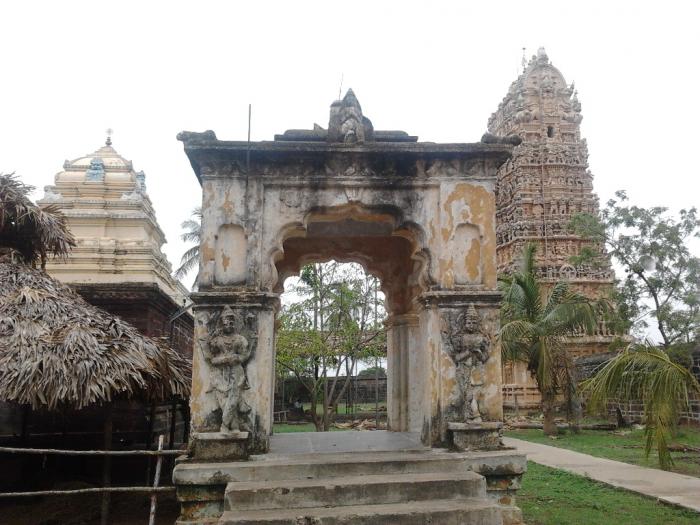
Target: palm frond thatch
point(32, 231)
point(57, 349)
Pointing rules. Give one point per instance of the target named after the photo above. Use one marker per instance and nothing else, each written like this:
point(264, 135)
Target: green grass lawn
point(554, 497)
point(626, 446)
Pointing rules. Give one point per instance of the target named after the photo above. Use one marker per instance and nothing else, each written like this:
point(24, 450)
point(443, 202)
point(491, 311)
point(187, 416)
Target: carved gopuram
point(419, 216)
point(540, 188)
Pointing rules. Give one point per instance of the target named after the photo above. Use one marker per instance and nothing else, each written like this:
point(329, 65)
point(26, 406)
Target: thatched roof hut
point(31, 231)
point(57, 349)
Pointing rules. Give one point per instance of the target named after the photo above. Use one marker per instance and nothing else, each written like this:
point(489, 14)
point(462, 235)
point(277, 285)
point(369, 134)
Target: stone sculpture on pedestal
point(227, 352)
point(469, 348)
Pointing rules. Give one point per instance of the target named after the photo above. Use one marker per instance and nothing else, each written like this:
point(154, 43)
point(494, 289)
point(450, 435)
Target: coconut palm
point(535, 325)
point(646, 374)
point(28, 230)
point(193, 233)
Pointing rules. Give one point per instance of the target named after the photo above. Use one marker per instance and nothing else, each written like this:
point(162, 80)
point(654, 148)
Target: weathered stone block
point(213, 446)
point(476, 436)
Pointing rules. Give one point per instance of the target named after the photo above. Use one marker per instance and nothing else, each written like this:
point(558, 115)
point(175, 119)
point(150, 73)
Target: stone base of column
point(476, 436)
point(220, 446)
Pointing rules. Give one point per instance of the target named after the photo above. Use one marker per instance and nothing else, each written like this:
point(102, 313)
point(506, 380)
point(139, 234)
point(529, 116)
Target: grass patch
point(553, 497)
point(625, 446)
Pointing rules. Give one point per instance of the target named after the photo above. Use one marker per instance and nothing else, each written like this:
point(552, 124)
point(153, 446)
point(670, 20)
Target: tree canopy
point(334, 324)
point(535, 325)
point(193, 234)
point(661, 285)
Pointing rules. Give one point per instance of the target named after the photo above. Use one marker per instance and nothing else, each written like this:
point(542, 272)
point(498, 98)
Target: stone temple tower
point(543, 185)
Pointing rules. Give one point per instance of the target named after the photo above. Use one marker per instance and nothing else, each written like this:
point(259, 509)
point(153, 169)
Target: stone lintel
point(213, 446)
point(253, 299)
point(480, 298)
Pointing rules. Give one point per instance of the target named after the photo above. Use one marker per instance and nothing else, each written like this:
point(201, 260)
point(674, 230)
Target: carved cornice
point(212, 157)
point(460, 298)
point(239, 298)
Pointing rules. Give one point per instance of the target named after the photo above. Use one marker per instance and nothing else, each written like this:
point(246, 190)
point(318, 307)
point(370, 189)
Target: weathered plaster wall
point(423, 222)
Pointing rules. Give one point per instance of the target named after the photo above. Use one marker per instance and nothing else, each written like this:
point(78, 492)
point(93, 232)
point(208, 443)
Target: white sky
point(435, 69)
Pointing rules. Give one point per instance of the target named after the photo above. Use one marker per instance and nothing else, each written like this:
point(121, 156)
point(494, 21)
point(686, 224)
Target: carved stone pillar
point(459, 332)
point(233, 373)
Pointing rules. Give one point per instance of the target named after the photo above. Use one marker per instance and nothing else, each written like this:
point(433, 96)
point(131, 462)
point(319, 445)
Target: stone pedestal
point(476, 436)
point(218, 446)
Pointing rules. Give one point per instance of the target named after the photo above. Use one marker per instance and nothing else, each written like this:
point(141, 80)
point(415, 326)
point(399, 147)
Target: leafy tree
point(647, 374)
point(332, 327)
point(535, 323)
point(193, 233)
point(662, 277)
point(28, 230)
point(372, 372)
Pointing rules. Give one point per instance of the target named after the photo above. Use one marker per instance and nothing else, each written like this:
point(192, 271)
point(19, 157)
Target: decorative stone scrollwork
point(226, 351)
point(469, 348)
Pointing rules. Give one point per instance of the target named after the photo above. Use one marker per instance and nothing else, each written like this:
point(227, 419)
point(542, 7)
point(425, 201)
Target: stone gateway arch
point(420, 216)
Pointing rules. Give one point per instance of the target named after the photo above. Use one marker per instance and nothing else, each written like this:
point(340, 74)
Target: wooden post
point(107, 465)
point(376, 390)
point(26, 411)
point(149, 439)
point(156, 480)
point(185, 407)
point(173, 420)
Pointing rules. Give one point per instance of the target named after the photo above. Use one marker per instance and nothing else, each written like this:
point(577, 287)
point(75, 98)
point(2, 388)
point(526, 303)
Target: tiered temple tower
point(543, 185)
point(117, 263)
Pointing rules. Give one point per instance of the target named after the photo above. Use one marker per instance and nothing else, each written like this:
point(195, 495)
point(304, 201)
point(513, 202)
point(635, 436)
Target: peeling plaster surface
point(421, 217)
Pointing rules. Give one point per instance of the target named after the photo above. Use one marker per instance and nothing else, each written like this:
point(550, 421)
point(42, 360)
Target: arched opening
point(389, 254)
point(331, 351)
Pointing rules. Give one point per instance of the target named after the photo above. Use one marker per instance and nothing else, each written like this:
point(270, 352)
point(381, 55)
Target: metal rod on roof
point(247, 153)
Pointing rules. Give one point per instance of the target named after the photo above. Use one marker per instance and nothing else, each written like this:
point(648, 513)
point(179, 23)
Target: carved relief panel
point(227, 347)
point(469, 346)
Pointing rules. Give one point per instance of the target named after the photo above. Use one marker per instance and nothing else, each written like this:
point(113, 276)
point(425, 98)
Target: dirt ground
point(126, 509)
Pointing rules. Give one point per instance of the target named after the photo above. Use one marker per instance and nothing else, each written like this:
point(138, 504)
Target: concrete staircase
point(410, 487)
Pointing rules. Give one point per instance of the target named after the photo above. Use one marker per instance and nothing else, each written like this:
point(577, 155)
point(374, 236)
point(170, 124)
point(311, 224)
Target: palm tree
point(645, 373)
point(535, 325)
point(193, 233)
point(27, 230)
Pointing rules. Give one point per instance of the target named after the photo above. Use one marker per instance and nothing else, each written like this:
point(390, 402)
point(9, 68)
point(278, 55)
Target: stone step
point(466, 511)
point(353, 490)
point(323, 466)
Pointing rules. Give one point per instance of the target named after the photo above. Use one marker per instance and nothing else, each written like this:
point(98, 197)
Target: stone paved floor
point(666, 486)
point(344, 441)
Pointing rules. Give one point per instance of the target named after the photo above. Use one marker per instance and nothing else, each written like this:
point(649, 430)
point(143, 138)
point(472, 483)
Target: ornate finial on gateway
point(542, 57)
point(347, 124)
point(524, 60)
point(108, 142)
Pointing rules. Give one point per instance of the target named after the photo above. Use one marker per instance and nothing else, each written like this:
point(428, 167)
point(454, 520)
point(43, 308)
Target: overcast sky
point(148, 70)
